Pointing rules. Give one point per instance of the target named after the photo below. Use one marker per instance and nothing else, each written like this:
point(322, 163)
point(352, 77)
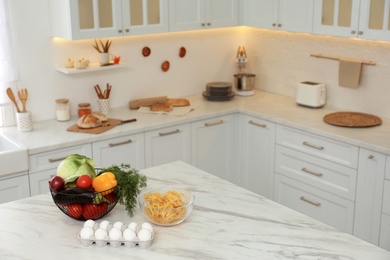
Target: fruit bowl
point(82, 204)
point(166, 206)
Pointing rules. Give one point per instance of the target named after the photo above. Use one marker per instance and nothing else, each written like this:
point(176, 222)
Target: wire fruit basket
point(85, 205)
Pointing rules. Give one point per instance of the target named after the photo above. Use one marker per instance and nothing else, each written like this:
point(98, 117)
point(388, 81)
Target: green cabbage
point(74, 166)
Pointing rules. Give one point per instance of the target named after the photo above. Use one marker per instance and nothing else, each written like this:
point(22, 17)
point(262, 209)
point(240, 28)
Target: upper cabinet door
point(295, 16)
point(87, 19)
point(336, 17)
point(202, 14)
point(144, 16)
point(374, 22)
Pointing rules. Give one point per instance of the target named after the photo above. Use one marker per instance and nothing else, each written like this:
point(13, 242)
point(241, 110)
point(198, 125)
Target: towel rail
point(366, 62)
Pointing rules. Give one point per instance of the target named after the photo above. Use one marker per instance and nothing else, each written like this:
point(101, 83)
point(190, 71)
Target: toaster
point(311, 94)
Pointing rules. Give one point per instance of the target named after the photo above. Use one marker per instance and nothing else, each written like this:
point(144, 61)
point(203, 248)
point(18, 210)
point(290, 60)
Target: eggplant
point(74, 195)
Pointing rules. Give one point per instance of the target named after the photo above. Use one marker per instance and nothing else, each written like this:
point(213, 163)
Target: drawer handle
point(317, 204)
point(120, 143)
point(311, 172)
point(257, 124)
point(215, 123)
point(169, 133)
point(371, 156)
point(57, 159)
point(313, 146)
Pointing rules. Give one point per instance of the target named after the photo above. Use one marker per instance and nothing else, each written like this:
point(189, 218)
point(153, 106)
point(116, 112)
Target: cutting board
point(96, 130)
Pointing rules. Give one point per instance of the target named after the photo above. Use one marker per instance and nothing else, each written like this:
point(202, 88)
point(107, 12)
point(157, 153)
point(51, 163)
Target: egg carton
point(106, 225)
point(116, 243)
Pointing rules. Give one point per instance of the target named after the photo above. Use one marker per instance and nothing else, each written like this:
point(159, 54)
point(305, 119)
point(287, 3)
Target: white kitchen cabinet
point(14, 188)
point(168, 144)
point(256, 155)
point(369, 194)
point(86, 19)
point(384, 238)
point(316, 176)
point(213, 143)
point(202, 14)
point(287, 15)
point(368, 19)
point(43, 165)
point(324, 206)
point(115, 151)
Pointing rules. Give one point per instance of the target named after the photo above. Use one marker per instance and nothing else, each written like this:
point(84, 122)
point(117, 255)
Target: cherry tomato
point(94, 211)
point(75, 210)
point(84, 181)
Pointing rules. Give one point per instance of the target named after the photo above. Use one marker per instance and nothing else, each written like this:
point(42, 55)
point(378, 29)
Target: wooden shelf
point(92, 67)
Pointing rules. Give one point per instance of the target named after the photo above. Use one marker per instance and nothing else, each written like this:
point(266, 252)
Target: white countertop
point(228, 222)
point(48, 135)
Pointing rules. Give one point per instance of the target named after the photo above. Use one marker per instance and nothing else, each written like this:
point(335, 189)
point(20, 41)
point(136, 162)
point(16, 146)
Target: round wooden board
point(352, 119)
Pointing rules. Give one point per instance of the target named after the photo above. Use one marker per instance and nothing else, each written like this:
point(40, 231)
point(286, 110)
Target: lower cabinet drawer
point(384, 238)
point(330, 209)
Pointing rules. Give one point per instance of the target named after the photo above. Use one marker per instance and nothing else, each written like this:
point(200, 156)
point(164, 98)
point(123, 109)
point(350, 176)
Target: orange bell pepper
point(105, 183)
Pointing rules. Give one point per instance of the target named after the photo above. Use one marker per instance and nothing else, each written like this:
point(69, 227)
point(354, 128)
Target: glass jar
point(84, 109)
point(62, 109)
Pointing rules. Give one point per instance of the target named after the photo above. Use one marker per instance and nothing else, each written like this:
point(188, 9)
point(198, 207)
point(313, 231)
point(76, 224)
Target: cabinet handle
point(311, 172)
point(215, 123)
point(360, 32)
point(371, 156)
point(56, 159)
point(208, 24)
point(169, 133)
point(203, 24)
point(353, 32)
point(120, 143)
point(317, 204)
point(313, 146)
point(279, 25)
point(127, 30)
point(274, 24)
point(120, 31)
point(257, 124)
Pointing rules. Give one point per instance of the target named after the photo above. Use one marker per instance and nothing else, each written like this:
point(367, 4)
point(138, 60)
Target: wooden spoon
point(23, 95)
point(12, 97)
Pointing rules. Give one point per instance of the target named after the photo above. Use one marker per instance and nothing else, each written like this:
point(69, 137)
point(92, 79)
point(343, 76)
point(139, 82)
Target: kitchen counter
point(48, 135)
point(228, 222)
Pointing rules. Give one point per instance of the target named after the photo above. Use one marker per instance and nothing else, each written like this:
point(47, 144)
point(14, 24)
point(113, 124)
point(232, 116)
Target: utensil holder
point(24, 121)
point(104, 106)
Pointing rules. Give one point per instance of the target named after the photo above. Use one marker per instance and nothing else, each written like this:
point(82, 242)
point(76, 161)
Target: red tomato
point(84, 181)
point(111, 197)
point(94, 211)
point(75, 210)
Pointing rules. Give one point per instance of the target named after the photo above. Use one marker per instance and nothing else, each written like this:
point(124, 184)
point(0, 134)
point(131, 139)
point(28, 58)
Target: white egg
point(129, 235)
point(105, 224)
point(115, 234)
point(147, 226)
point(90, 223)
point(119, 225)
point(134, 226)
point(86, 233)
point(101, 234)
point(144, 235)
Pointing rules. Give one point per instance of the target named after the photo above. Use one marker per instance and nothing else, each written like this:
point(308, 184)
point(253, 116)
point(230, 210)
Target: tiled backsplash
point(281, 60)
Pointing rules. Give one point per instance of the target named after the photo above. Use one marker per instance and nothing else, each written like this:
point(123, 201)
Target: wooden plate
point(352, 119)
point(165, 66)
point(146, 51)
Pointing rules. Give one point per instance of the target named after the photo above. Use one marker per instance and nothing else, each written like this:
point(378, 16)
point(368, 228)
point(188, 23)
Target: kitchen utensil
point(11, 96)
point(135, 104)
point(23, 95)
point(24, 121)
point(119, 123)
point(168, 216)
point(244, 82)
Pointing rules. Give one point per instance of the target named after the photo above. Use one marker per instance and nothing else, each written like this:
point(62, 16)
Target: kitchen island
point(228, 222)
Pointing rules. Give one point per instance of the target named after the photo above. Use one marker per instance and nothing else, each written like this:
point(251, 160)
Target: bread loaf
point(178, 102)
point(89, 121)
point(161, 107)
point(102, 117)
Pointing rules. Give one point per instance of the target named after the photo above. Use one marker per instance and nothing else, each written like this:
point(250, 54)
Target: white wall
point(279, 59)
point(210, 57)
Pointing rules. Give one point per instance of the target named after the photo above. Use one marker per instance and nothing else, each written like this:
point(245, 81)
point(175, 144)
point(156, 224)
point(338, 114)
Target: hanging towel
point(349, 72)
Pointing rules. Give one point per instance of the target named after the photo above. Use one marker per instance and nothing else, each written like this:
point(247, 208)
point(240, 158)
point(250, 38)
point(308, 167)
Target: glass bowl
point(167, 206)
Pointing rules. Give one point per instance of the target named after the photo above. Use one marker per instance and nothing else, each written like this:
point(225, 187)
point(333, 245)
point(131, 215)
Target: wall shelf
point(92, 67)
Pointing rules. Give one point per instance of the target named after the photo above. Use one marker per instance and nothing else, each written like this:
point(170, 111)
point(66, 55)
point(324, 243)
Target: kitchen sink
point(13, 156)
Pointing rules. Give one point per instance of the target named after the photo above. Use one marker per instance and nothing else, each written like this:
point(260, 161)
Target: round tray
point(352, 119)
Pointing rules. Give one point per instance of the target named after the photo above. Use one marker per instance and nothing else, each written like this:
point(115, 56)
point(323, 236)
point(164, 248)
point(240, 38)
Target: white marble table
point(228, 222)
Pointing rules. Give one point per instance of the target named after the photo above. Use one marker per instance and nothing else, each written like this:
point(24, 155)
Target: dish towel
point(349, 72)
